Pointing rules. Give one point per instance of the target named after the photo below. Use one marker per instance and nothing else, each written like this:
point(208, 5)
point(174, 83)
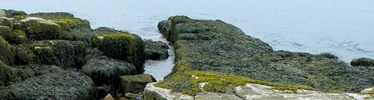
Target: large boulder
point(41, 29)
point(66, 20)
point(9, 75)
point(15, 36)
point(106, 72)
point(67, 54)
point(156, 50)
point(6, 53)
point(135, 83)
point(362, 62)
point(2, 13)
point(14, 13)
point(61, 85)
point(6, 22)
point(128, 47)
point(14, 74)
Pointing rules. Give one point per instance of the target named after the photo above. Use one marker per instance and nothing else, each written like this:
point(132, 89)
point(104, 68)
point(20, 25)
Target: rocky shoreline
point(59, 56)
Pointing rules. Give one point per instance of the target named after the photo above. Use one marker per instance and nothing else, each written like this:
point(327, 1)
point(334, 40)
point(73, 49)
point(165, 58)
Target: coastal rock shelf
point(59, 56)
point(215, 57)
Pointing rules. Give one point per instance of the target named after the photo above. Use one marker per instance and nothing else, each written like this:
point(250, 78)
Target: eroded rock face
point(156, 50)
point(251, 92)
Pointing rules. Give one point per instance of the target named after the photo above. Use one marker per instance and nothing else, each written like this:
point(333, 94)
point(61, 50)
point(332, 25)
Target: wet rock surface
point(156, 50)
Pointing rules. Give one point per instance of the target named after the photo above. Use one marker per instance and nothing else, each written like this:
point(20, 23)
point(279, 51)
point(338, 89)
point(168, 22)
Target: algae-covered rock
point(14, 13)
point(9, 75)
point(102, 91)
point(2, 13)
point(66, 20)
point(6, 54)
point(67, 54)
point(135, 83)
point(5, 32)
point(362, 62)
point(41, 29)
point(215, 46)
point(156, 50)
point(128, 47)
point(61, 85)
point(104, 70)
point(15, 36)
point(6, 22)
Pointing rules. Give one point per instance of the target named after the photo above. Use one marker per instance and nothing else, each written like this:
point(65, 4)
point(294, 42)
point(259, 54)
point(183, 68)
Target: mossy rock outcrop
point(9, 75)
point(67, 54)
point(105, 70)
point(14, 74)
point(6, 53)
point(135, 83)
point(40, 29)
point(128, 47)
point(61, 85)
point(2, 13)
point(14, 13)
point(15, 36)
point(6, 22)
point(156, 50)
point(362, 62)
point(66, 20)
point(215, 46)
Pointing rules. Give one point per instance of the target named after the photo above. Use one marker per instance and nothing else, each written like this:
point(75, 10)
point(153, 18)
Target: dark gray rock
point(362, 62)
point(156, 50)
point(62, 85)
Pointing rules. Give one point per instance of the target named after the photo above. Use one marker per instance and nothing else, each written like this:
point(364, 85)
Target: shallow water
point(342, 27)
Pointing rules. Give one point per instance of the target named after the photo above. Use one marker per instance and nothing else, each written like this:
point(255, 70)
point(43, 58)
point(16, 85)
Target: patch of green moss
point(215, 82)
point(6, 53)
point(122, 46)
point(68, 24)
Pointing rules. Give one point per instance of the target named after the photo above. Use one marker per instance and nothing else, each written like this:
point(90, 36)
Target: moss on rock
point(6, 53)
point(135, 83)
point(9, 75)
point(2, 13)
point(362, 62)
point(67, 54)
point(66, 20)
point(61, 85)
point(128, 47)
point(40, 29)
point(156, 50)
point(6, 22)
point(104, 70)
point(215, 46)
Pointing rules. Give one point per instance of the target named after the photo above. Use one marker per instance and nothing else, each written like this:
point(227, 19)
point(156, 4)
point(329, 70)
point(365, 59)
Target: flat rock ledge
point(251, 92)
